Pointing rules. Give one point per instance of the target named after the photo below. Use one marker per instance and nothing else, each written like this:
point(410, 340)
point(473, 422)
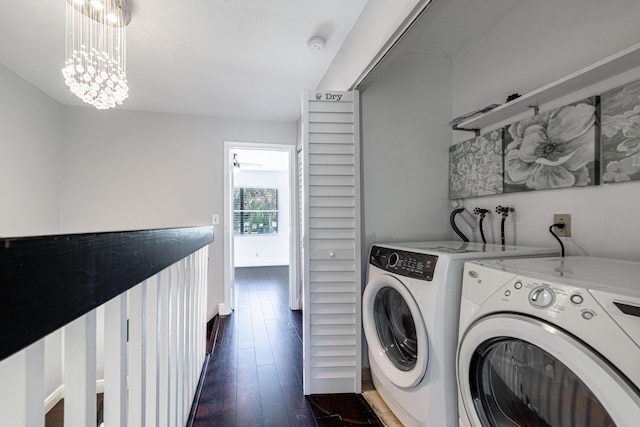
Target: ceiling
point(243, 59)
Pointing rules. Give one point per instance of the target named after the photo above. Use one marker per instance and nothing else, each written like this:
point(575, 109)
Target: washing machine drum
point(395, 331)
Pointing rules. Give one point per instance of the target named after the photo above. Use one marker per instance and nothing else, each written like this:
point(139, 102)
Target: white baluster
point(173, 346)
point(80, 372)
point(115, 370)
point(22, 387)
point(202, 299)
point(200, 318)
point(186, 352)
point(137, 348)
point(179, 340)
point(188, 349)
point(193, 325)
point(34, 399)
point(153, 353)
point(164, 346)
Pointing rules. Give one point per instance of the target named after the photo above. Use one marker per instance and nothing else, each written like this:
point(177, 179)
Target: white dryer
point(550, 342)
point(410, 320)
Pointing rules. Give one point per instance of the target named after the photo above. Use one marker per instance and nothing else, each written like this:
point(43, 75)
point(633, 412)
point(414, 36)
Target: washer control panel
point(548, 299)
point(409, 264)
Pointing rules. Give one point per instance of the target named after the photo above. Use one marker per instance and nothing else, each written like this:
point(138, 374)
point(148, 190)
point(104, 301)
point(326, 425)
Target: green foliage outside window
point(255, 210)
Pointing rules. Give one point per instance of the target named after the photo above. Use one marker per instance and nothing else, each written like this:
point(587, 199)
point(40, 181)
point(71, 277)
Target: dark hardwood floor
point(55, 417)
point(254, 375)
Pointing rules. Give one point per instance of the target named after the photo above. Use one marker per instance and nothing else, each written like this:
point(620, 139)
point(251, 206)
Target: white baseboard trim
point(58, 394)
point(223, 309)
point(55, 397)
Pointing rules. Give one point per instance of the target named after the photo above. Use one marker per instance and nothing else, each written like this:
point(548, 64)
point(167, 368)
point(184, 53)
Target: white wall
point(537, 43)
point(256, 250)
point(130, 170)
point(30, 141)
point(404, 151)
point(404, 194)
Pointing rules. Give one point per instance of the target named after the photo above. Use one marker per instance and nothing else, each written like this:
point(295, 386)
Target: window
point(255, 210)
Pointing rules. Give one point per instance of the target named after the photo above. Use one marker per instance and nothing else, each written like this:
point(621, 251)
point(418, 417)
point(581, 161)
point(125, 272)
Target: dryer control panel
point(409, 264)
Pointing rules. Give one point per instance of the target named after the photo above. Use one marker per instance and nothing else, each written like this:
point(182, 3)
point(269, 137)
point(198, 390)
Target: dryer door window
point(395, 331)
point(396, 328)
point(520, 371)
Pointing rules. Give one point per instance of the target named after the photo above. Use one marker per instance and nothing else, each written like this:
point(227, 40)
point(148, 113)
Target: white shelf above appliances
point(615, 64)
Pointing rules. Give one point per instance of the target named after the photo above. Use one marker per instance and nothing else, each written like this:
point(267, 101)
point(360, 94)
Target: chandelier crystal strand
point(95, 66)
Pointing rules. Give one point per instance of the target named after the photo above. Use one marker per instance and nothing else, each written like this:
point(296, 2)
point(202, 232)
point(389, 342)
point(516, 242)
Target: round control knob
point(393, 259)
point(541, 297)
point(518, 285)
point(577, 299)
point(588, 314)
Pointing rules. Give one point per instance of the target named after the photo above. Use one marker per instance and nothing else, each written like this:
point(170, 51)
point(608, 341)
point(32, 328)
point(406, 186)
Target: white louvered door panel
point(301, 223)
point(331, 230)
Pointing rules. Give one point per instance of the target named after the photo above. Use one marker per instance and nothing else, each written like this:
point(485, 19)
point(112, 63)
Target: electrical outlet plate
point(562, 219)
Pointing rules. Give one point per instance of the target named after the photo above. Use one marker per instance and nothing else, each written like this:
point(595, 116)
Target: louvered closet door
point(331, 203)
point(301, 223)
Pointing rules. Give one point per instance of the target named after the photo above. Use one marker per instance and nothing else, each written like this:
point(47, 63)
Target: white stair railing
point(150, 380)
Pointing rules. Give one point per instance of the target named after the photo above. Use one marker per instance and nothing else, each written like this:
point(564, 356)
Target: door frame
point(228, 304)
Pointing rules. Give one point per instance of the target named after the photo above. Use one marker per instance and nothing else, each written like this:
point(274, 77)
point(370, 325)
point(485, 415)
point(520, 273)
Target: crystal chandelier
point(95, 66)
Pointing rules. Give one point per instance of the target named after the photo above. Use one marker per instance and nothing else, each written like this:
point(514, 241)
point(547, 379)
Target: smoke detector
point(316, 44)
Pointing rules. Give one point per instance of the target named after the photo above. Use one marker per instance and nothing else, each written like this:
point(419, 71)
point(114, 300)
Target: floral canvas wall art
point(620, 134)
point(475, 166)
point(555, 149)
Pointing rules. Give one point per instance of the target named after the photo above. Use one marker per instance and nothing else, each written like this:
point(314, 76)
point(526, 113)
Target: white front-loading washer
point(550, 342)
point(410, 320)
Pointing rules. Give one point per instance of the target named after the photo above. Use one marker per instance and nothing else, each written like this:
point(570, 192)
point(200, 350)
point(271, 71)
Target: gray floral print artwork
point(620, 133)
point(555, 149)
point(475, 166)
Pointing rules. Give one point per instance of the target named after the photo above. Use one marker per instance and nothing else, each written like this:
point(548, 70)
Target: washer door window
point(395, 331)
point(396, 328)
point(517, 371)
